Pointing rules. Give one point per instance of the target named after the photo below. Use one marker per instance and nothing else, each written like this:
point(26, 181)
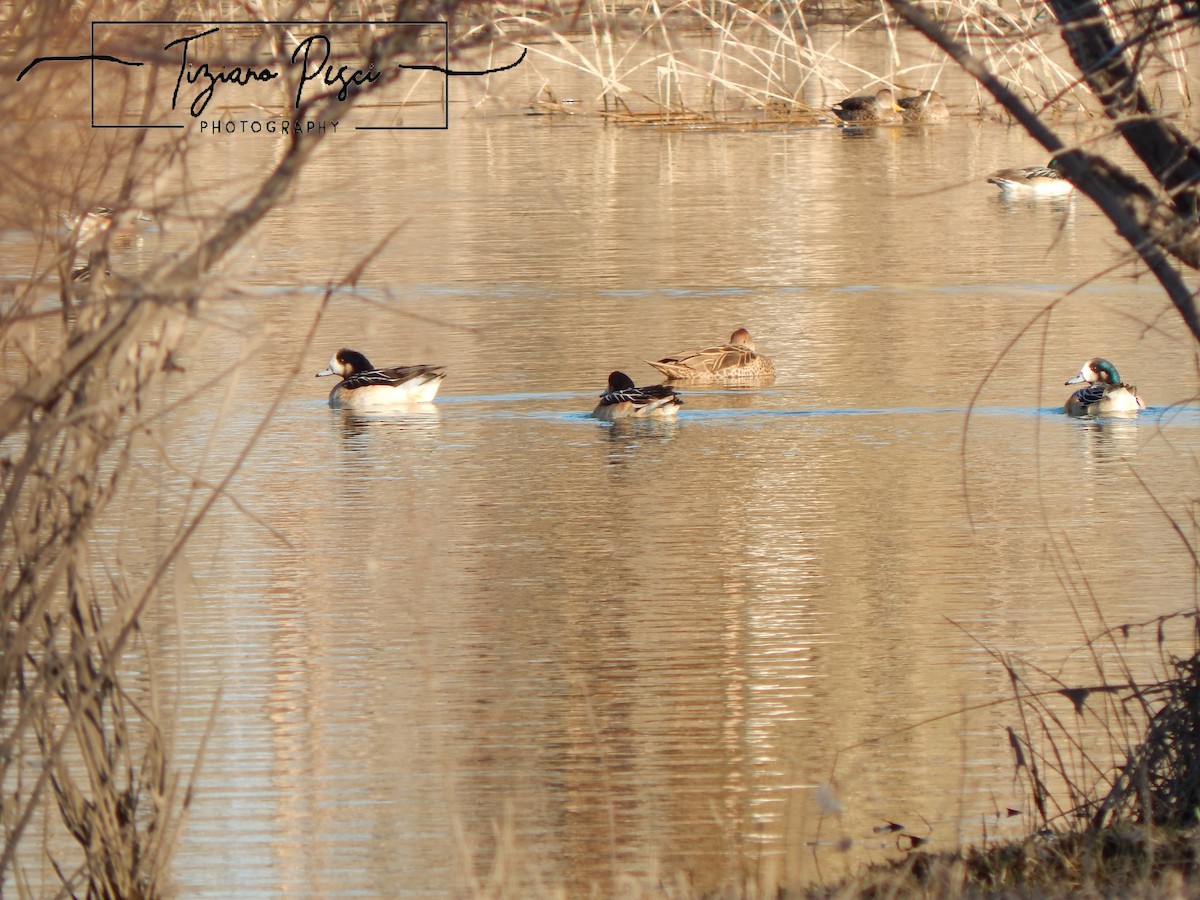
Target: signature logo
point(257, 77)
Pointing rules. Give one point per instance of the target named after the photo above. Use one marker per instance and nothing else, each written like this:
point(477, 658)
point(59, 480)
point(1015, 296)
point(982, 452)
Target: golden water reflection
point(497, 642)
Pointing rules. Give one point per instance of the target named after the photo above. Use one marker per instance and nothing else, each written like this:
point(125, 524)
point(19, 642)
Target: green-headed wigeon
point(1104, 392)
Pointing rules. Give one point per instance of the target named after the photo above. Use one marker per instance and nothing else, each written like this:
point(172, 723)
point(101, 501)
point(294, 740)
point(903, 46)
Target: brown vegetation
point(1124, 862)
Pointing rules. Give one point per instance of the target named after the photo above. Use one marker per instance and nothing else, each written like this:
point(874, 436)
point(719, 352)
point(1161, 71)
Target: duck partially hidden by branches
point(88, 226)
point(926, 108)
point(872, 109)
point(1045, 181)
point(365, 387)
point(734, 362)
point(1104, 392)
point(623, 400)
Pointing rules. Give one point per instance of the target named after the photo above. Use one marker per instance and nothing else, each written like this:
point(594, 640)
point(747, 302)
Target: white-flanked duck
point(1042, 181)
point(365, 387)
point(1104, 392)
point(624, 401)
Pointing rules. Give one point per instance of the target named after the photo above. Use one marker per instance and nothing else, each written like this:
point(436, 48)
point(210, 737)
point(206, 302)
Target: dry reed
point(717, 60)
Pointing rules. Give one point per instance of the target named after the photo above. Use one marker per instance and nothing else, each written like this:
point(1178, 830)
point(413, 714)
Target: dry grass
point(1122, 862)
point(723, 59)
point(1112, 772)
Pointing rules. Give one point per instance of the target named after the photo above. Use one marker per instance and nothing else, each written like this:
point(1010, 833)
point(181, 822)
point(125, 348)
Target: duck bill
point(1076, 380)
point(328, 371)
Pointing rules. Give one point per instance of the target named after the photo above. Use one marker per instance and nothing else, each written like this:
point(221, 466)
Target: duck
point(83, 272)
point(365, 387)
point(1046, 181)
point(924, 108)
point(624, 401)
point(1105, 392)
point(88, 225)
point(731, 362)
point(877, 109)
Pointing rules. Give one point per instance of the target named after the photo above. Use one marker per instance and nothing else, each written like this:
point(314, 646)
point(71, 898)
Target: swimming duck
point(87, 228)
point(924, 108)
point(624, 401)
point(732, 362)
point(879, 109)
point(363, 386)
point(83, 272)
point(1105, 392)
point(1047, 181)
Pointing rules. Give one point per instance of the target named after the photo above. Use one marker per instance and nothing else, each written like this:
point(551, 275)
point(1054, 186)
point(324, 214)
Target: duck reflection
point(630, 438)
point(658, 431)
point(358, 427)
point(1109, 440)
point(1060, 204)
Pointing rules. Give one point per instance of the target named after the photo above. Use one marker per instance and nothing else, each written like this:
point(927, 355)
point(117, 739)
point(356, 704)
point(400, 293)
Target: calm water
point(496, 642)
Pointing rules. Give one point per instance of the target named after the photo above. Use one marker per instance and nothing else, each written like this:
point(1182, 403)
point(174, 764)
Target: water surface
point(492, 641)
